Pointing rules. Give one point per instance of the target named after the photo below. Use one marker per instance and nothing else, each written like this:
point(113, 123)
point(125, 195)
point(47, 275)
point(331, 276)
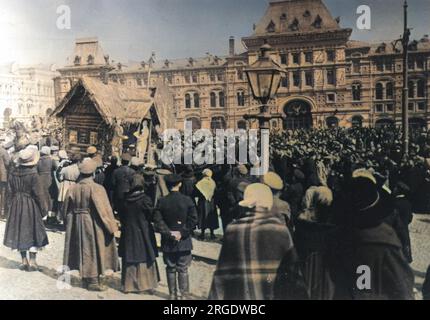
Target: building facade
point(331, 80)
point(26, 91)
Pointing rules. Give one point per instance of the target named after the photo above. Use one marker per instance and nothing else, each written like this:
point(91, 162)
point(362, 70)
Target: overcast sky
point(132, 29)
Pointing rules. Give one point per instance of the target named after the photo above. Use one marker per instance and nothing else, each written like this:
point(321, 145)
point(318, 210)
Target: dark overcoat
point(45, 167)
point(137, 243)
point(25, 228)
point(90, 245)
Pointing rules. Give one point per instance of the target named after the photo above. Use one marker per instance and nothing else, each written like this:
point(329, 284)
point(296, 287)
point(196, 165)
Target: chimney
point(231, 46)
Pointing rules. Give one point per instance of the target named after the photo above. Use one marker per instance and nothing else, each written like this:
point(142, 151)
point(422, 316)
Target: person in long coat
point(137, 246)
point(121, 181)
point(257, 256)
point(206, 208)
point(45, 168)
point(90, 245)
point(68, 176)
point(366, 241)
point(25, 230)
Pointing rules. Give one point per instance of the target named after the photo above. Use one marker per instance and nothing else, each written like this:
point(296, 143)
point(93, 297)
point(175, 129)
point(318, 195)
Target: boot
point(184, 286)
point(33, 264)
point(95, 284)
point(24, 265)
point(171, 282)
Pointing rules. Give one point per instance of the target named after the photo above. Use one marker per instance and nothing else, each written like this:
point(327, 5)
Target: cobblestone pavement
point(15, 284)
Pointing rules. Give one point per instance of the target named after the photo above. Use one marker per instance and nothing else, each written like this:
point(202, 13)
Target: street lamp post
point(405, 100)
point(264, 78)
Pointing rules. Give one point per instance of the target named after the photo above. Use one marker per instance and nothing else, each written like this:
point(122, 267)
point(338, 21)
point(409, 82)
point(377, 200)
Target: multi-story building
point(331, 80)
point(26, 91)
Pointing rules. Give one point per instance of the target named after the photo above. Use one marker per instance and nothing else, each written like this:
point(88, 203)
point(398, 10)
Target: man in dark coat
point(90, 245)
point(368, 262)
point(45, 167)
point(121, 181)
point(175, 216)
point(109, 177)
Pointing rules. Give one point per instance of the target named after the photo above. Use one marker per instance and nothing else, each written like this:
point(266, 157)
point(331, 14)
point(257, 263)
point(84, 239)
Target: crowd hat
point(172, 180)
point(207, 173)
point(88, 166)
point(63, 154)
point(257, 195)
point(242, 169)
point(135, 162)
point(126, 157)
point(55, 148)
point(28, 157)
point(274, 181)
point(91, 150)
point(45, 150)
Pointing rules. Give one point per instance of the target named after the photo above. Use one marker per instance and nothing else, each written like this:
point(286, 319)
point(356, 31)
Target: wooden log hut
point(92, 109)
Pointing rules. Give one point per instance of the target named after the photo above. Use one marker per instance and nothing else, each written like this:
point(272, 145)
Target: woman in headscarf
point(25, 230)
point(137, 246)
point(257, 257)
point(207, 212)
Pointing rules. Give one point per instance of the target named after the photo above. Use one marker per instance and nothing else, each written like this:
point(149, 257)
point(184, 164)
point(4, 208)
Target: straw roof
point(112, 101)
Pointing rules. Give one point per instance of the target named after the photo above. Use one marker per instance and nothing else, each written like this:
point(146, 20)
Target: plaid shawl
point(251, 261)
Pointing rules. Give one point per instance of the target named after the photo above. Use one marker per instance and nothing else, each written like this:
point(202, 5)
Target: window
point(241, 124)
point(221, 99)
point(380, 65)
point(356, 67)
point(296, 78)
point(240, 74)
point(309, 57)
point(421, 106)
point(284, 82)
point(188, 101)
point(390, 107)
point(379, 91)
point(390, 90)
point(411, 64)
point(284, 58)
point(331, 97)
point(331, 56)
point(194, 78)
point(296, 58)
point(212, 77)
point(139, 82)
point(169, 79)
point(218, 123)
point(331, 77)
point(411, 86)
point(356, 92)
point(420, 63)
point(309, 77)
point(196, 100)
point(220, 77)
point(357, 122)
point(379, 108)
point(213, 99)
point(241, 98)
point(421, 89)
point(187, 79)
point(195, 122)
point(411, 106)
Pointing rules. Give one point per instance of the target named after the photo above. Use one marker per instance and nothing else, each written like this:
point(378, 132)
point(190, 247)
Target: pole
point(405, 100)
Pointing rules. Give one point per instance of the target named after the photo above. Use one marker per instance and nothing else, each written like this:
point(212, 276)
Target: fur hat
point(63, 154)
point(88, 166)
point(28, 157)
point(274, 181)
point(257, 195)
point(45, 151)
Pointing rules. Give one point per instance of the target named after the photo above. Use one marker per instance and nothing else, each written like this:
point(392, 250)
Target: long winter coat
point(379, 249)
point(25, 228)
point(90, 243)
point(45, 168)
point(137, 244)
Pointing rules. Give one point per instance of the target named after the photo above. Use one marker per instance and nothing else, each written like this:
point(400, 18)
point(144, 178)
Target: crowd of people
point(333, 201)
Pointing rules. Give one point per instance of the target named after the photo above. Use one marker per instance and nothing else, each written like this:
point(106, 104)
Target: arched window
point(196, 100)
point(421, 92)
point(357, 121)
point(196, 123)
point(218, 123)
point(390, 91)
point(221, 99)
point(332, 122)
point(188, 101)
point(241, 98)
point(356, 92)
point(213, 100)
point(379, 91)
point(411, 87)
point(241, 124)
